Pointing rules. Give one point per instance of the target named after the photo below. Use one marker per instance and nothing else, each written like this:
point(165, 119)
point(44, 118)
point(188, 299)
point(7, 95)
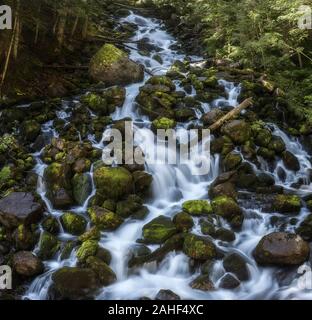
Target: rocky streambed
point(74, 228)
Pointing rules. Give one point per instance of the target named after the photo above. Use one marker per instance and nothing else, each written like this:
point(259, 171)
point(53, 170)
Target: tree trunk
point(232, 114)
point(60, 36)
point(74, 26)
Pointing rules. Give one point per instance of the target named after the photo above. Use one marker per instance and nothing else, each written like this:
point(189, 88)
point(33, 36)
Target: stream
point(172, 186)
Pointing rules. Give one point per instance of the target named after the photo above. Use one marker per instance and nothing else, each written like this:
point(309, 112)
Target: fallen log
point(232, 114)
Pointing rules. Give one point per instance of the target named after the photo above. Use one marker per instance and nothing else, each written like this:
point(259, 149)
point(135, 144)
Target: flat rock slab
point(18, 208)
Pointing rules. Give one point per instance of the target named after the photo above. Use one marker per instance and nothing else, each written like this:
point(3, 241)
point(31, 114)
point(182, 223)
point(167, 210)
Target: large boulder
point(75, 283)
point(113, 183)
point(199, 248)
point(236, 264)
point(281, 248)
point(158, 230)
point(290, 161)
point(113, 67)
point(48, 246)
point(20, 208)
point(27, 264)
point(238, 130)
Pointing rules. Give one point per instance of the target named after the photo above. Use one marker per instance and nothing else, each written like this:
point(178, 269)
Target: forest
point(83, 220)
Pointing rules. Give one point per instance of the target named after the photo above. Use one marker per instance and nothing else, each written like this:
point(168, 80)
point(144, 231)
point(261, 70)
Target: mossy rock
point(51, 225)
point(30, 130)
point(113, 67)
point(162, 80)
point(225, 235)
point(104, 219)
point(266, 153)
point(237, 265)
point(104, 273)
point(113, 183)
point(163, 123)
point(199, 248)
point(305, 228)
point(227, 208)
point(129, 206)
point(158, 230)
point(67, 250)
point(286, 203)
point(96, 103)
point(82, 187)
point(232, 161)
point(24, 238)
point(197, 207)
point(87, 249)
point(142, 182)
point(73, 223)
point(263, 138)
point(239, 131)
point(75, 283)
point(290, 161)
point(183, 222)
point(92, 234)
point(207, 228)
point(48, 246)
point(277, 144)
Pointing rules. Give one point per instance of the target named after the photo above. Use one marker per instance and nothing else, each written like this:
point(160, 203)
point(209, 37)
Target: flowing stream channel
point(173, 185)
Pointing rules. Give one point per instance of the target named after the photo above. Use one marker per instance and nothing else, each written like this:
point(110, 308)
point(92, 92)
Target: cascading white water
point(172, 185)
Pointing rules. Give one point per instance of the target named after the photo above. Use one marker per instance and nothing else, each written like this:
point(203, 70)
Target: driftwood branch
point(232, 114)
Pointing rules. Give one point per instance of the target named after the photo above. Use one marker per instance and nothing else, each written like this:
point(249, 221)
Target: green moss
point(107, 55)
point(183, 222)
point(232, 161)
point(287, 203)
point(96, 103)
point(48, 246)
point(199, 248)
point(113, 183)
point(162, 80)
point(73, 223)
point(163, 123)
point(104, 273)
point(87, 249)
point(7, 142)
point(197, 207)
point(158, 230)
point(5, 175)
point(92, 234)
point(104, 219)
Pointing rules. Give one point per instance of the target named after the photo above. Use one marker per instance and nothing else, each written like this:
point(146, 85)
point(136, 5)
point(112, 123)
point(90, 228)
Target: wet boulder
point(277, 144)
point(228, 281)
point(30, 130)
point(199, 248)
point(290, 161)
point(87, 249)
point(197, 207)
point(142, 182)
point(20, 208)
point(238, 131)
point(24, 238)
point(202, 283)
point(128, 207)
point(236, 264)
point(305, 228)
point(158, 230)
point(27, 264)
point(51, 225)
point(281, 248)
point(212, 116)
point(113, 183)
point(96, 103)
point(232, 161)
point(104, 273)
point(113, 67)
point(75, 283)
point(286, 203)
point(104, 219)
point(82, 187)
point(115, 97)
point(59, 188)
point(73, 223)
point(263, 138)
point(227, 208)
point(48, 246)
point(91, 234)
point(183, 221)
point(167, 295)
